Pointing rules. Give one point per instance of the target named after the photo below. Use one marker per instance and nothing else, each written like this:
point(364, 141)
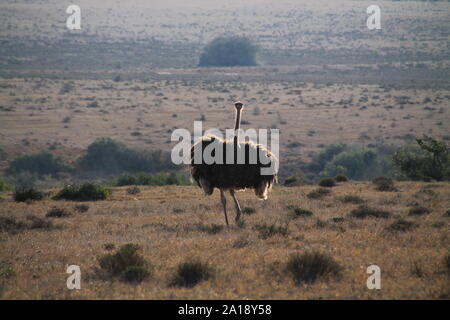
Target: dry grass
point(246, 264)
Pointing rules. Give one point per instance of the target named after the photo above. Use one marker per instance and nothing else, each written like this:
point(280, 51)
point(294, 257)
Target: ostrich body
point(235, 176)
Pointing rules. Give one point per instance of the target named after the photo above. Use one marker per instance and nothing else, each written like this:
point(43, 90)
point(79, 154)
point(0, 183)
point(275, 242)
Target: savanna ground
point(175, 224)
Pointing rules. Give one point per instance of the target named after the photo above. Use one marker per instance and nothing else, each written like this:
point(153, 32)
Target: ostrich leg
point(224, 204)
point(237, 206)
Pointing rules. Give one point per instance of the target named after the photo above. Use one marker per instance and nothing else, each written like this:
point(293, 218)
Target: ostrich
point(235, 176)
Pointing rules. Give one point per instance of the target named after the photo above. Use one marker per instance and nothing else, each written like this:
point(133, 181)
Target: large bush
point(158, 179)
point(42, 163)
point(358, 163)
point(3, 185)
point(228, 52)
point(106, 156)
point(85, 192)
point(429, 159)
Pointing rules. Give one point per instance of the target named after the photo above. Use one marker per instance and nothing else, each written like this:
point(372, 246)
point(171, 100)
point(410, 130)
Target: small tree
point(430, 161)
point(228, 52)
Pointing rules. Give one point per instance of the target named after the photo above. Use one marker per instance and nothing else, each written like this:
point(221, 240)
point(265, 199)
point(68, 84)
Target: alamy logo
point(374, 281)
point(74, 280)
point(374, 20)
point(74, 20)
point(216, 152)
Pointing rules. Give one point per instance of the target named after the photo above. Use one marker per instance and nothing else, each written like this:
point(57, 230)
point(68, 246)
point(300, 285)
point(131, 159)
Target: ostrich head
point(239, 106)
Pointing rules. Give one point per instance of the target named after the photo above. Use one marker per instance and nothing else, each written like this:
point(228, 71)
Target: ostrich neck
point(238, 119)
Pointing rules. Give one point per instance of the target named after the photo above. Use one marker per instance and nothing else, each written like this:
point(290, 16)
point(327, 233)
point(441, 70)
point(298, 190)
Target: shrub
point(447, 263)
point(228, 52)
point(341, 178)
point(384, 184)
point(365, 212)
point(125, 264)
point(429, 159)
point(401, 226)
point(3, 185)
point(107, 156)
point(58, 213)
point(418, 211)
point(11, 225)
point(189, 273)
point(209, 228)
point(351, 199)
point(81, 208)
point(318, 193)
point(41, 163)
point(26, 194)
point(85, 192)
point(39, 223)
point(293, 181)
point(248, 210)
point(158, 179)
point(6, 271)
point(133, 190)
point(327, 182)
point(295, 212)
point(310, 266)
point(447, 213)
point(267, 231)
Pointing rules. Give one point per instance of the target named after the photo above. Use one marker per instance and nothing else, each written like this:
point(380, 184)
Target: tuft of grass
point(311, 266)
point(58, 213)
point(81, 208)
point(267, 231)
point(248, 210)
point(318, 193)
point(351, 199)
point(364, 211)
point(109, 246)
point(11, 225)
point(401, 225)
point(447, 213)
point(447, 263)
point(133, 190)
point(6, 271)
point(125, 264)
point(341, 178)
point(418, 211)
point(241, 242)
point(416, 270)
point(27, 194)
point(296, 212)
point(39, 223)
point(190, 273)
point(85, 192)
point(209, 228)
point(384, 184)
point(327, 182)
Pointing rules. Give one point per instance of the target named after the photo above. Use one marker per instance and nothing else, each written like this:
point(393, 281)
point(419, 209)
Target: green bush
point(158, 179)
point(13, 226)
point(295, 212)
point(25, 194)
point(318, 193)
point(125, 264)
point(384, 184)
point(310, 266)
point(106, 156)
point(364, 212)
point(341, 178)
point(418, 211)
point(3, 185)
point(190, 273)
point(229, 52)
point(58, 213)
point(352, 162)
point(293, 181)
point(270, 230)
point(327, 182)
point(351, 199)
point(133, 190)
point(429, 160)
point(85, 192)
point(42, 163)
point(401, 225)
